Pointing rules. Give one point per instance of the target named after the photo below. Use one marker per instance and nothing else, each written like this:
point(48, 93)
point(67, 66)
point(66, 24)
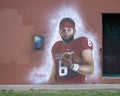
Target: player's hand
point(67, 59)
point(70, 57)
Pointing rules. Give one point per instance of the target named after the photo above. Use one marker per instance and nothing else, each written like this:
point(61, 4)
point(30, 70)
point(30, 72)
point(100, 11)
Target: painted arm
point(86, 63)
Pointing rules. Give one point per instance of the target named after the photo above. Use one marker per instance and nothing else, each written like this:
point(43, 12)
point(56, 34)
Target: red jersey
point(77, 46)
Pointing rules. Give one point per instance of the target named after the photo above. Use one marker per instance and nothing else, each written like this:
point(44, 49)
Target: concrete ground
point(60, 87)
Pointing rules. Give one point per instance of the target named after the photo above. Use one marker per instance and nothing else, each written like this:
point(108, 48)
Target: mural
point(71, 53)
point(37, 47)
point(73, 57)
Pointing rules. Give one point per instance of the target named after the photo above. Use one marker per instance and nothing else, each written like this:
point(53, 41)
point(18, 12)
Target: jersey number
point(89, 42)
point(63, 70)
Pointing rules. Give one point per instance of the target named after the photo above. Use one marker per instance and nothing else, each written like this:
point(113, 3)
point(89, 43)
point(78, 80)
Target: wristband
point(75, 67)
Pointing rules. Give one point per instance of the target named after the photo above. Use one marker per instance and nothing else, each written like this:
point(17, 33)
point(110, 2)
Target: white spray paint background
point(41, 74)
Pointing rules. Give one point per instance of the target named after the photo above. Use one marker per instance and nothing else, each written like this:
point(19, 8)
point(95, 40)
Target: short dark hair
point(67, 19)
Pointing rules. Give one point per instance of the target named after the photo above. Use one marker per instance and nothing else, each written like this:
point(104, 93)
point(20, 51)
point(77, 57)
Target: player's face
point(67, 34)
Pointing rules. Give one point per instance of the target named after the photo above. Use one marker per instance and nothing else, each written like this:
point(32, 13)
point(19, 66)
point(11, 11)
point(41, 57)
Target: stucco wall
point(20, 20)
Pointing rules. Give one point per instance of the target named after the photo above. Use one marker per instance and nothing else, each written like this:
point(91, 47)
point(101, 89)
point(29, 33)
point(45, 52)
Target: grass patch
point(61, 93)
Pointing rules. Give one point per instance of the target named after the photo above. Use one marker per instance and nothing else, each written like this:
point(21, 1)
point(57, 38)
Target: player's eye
point(63, 30)
point(66, 30)
point(69, 30)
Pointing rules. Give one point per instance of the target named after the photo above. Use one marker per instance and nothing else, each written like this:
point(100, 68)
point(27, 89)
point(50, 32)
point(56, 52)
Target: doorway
point(111, 44)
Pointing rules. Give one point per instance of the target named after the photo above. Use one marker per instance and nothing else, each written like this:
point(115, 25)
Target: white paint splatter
point(40, 74)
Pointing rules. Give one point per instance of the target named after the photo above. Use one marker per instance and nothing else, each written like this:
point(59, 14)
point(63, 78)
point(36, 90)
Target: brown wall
point(20, 20)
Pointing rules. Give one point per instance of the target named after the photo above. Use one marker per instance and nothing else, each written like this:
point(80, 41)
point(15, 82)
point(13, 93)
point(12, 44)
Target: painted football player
point(72, 58)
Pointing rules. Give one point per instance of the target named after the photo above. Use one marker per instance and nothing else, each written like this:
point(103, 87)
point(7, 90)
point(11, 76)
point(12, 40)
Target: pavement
point(60, 87)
